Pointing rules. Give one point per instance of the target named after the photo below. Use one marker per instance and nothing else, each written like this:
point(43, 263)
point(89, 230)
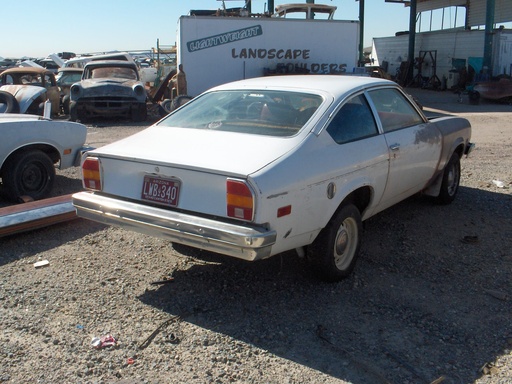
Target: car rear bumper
point(243, 242)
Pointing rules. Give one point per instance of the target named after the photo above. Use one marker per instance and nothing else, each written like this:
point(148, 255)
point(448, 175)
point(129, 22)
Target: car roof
point(37, 70)
point(116, 63)
point(333, 84)
point(70, 69)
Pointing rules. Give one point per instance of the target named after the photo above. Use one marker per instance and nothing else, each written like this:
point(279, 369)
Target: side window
point(48, 81)
point(353, 121)
point(395, 111)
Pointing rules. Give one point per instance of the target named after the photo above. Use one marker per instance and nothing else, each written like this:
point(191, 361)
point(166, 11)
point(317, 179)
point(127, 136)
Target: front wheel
point(334, 252)
point(30, 173)
point(451, 180)
point(139, 112)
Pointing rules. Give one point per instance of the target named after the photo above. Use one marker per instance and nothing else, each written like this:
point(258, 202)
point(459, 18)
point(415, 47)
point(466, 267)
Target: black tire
point(167, 106)
point(179, 101)
point(139, 113)
point(29, 173)
point(73, 111)
point(334, 252)
point(11, 104)
point(451, 180)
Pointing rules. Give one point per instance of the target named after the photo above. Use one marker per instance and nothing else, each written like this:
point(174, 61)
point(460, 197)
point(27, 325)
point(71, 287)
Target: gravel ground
point(430, 300)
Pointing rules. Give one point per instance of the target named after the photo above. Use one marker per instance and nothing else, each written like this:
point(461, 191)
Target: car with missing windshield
point(108, 88)
point(261, 166)
point(26, 89)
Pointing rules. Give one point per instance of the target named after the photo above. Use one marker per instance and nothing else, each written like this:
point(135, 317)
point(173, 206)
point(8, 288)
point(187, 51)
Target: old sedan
point(108, 88)
point(261, 166)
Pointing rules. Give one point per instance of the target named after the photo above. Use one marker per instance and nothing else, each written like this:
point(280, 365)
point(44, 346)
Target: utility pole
point(489, 26)
point(361, 33)
point(412, 38)
point(271, 7)
point(312, 16)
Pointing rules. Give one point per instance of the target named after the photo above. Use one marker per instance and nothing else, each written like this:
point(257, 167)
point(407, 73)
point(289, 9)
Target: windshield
point(262, 112)
point(113, 72)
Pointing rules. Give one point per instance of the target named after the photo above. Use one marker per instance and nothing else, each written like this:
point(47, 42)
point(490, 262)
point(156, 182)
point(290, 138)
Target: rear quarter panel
point(456, 131)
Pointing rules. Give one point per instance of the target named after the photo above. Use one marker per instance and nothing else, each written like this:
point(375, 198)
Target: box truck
point(213, 50)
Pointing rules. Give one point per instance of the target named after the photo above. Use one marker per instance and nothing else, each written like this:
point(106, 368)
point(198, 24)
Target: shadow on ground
point(418, 307)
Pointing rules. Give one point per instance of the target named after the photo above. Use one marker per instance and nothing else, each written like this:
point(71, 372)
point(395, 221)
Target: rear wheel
point(451, 180)
point(334, 252)
point(30, 173)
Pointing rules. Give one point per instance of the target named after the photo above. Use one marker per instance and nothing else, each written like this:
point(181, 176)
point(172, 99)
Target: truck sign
point(217, 50)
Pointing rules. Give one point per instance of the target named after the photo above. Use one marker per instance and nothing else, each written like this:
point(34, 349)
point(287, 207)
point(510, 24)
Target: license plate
point(160, 190)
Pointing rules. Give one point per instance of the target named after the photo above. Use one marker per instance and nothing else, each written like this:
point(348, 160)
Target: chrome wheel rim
point(345, 244)
point(453, 179)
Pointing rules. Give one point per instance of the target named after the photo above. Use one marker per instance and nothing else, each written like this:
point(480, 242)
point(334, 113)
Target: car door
point(362, 153)
point(414, 144)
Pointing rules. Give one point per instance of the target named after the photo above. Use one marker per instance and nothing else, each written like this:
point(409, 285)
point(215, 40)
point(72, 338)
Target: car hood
point(212, 151)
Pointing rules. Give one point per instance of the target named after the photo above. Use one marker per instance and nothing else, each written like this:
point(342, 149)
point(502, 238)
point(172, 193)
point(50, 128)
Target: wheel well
point(360, 198)
point(459, 150)
point(52, 152)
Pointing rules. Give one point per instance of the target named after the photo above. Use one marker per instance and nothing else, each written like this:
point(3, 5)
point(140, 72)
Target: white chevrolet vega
point(257, 167)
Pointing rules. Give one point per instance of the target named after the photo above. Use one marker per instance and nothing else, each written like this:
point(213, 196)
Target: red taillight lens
point(239, 200)
point(91, 173)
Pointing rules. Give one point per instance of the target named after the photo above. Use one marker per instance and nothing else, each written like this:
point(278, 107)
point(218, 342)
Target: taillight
point(239, 200)
point(91, 177)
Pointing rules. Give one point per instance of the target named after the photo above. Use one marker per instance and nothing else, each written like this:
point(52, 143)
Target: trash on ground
point(498, 183)
point(103, 342)
point(42, 263)
point(164, 280)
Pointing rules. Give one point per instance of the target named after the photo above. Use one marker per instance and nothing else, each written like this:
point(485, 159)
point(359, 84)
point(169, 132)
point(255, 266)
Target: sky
point(90, 26)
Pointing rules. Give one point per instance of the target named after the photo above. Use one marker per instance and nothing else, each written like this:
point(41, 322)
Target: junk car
point(108, 88)
point(66, 77)
point(261, 166)
point(26, 89)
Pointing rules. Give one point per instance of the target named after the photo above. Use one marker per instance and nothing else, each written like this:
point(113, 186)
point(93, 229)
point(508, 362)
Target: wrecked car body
point(30, 87)
point(108, 88)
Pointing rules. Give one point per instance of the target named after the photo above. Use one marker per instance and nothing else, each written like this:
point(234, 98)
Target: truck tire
point(166, 104)
point(451, 180)
point(73, 111)
point(334, 252)
point(139, 112)
point(179, 101)
point(29, 173)
point(11, 104)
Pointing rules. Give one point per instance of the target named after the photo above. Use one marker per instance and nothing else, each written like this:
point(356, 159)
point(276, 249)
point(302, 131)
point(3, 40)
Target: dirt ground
point(430, 300)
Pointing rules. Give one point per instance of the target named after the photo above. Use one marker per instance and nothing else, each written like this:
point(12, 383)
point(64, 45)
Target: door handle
point(394, 147)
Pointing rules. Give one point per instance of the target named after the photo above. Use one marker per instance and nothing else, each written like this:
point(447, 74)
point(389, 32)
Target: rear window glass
point(273, 113)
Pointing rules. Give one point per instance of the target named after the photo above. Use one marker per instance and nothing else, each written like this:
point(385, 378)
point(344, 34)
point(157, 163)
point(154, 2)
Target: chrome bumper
point(248, 243)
